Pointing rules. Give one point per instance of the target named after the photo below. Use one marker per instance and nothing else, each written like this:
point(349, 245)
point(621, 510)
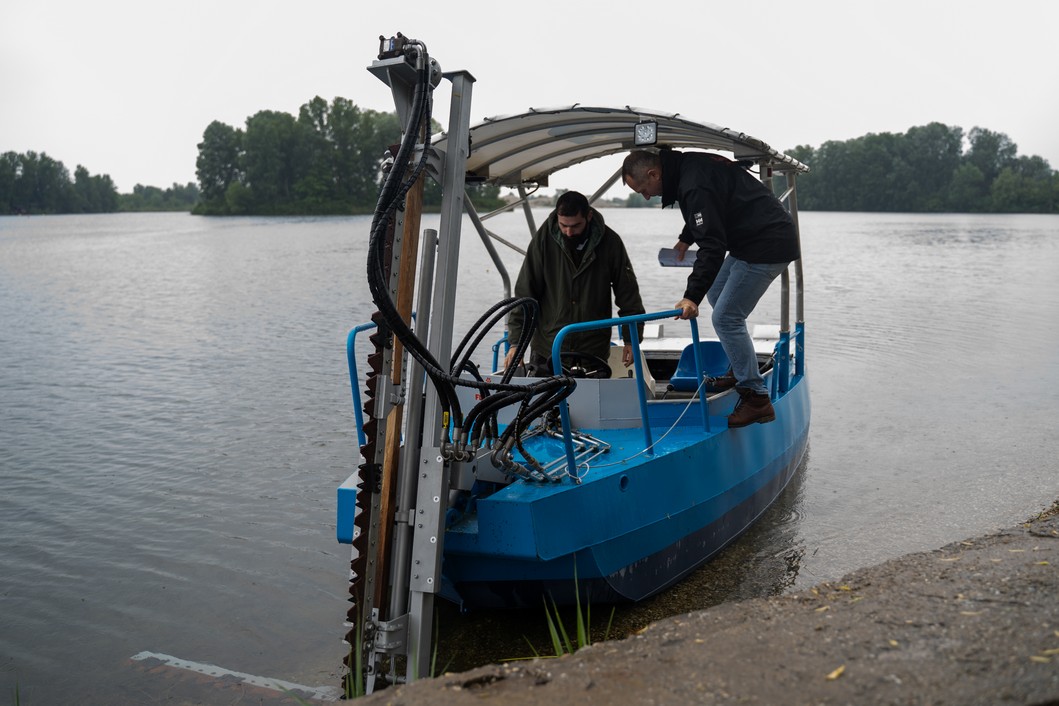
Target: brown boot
point(751, 408)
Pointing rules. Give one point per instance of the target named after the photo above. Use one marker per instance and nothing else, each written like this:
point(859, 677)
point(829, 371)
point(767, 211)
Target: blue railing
point(779, 384)
point(496, 351)
point(354, 381)
point(628, 322)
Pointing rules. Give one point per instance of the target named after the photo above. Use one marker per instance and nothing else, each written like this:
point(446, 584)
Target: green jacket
point(569, 293)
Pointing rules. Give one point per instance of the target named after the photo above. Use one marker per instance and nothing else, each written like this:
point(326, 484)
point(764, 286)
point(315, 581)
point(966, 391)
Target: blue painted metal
point(799, 352)
point(641, 524)
point(347, 499)
point(646, 513)
point(713, 361)
point(496, 349)
point(783, 361)
point(557, 369)
point(354, 378)
point(700, 373)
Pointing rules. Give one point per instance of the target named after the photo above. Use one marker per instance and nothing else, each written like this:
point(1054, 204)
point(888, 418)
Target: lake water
point(175, 417)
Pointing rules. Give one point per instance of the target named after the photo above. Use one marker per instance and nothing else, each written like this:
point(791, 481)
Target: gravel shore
point(975, 622)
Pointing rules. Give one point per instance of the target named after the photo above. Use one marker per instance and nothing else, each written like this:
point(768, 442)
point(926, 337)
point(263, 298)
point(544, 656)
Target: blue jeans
point(734, 294)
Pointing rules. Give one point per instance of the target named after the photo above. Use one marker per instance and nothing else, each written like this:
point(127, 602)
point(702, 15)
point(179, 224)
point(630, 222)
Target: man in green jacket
point(573, 262)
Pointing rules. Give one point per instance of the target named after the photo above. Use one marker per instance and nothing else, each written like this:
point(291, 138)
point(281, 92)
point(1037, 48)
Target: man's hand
point(689, 309)
point(681, 247)
point(509, 359)
point(626, 355)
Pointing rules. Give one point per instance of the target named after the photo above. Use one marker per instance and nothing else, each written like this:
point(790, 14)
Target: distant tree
point(33, 183)
point(327, 160)
point(966, 190)
point(94, 194)
point(152, 198)
point(991, 152)
point(925, 169)
point(10, 170)
point(219, 162)
point(1029, 186)
point(485, 197)
point(932, 154)
point(36, 183)
point(276, 156)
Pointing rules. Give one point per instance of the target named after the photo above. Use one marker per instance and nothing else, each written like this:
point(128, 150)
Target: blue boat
point(492, 490)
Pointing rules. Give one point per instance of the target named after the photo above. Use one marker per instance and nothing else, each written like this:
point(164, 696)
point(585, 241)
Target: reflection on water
point(176, 416)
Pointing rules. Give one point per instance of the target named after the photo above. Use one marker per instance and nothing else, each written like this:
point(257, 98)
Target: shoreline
point(976, 621)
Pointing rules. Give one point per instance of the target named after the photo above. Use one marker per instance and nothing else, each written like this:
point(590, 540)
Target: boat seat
point(618, 369)
point(714, 363)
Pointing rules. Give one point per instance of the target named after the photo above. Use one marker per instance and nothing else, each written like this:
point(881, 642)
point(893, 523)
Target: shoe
point(720, 383)
point(751, 408)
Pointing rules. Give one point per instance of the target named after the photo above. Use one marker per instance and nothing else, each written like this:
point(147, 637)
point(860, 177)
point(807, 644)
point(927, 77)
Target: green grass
point(353, 682)
point(560, 637)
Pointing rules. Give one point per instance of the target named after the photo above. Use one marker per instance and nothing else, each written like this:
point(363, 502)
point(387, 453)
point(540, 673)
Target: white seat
point(618, 369)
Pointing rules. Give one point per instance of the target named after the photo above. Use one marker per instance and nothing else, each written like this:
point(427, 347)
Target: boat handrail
point(629, 321)
point(354, 376)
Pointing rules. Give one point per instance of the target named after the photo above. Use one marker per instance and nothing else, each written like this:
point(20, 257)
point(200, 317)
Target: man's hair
point(637, 163)
point(572, 203)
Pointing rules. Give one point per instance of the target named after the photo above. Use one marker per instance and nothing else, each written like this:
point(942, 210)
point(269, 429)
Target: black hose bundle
point(533, 398)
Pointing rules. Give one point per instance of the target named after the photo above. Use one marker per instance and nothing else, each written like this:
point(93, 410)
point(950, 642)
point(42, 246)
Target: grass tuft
point(561, 642)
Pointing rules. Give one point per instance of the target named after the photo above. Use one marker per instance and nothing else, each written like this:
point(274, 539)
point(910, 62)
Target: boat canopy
point(515, 150)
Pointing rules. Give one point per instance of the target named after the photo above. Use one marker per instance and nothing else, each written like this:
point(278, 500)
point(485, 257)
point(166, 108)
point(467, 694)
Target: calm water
point(175, 418)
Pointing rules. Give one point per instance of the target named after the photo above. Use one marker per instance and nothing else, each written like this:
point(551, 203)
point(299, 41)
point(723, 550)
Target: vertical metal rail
point(433, 472)
point(527, 210)
point(632, 335)
point(557, 369)
point(405, 264)
point(781, 364)
point(783, 360)
point(700, 374)
point(799, 296)
point(415, 391)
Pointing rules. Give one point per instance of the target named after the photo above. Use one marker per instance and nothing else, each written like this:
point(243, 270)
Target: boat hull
point(641, 527)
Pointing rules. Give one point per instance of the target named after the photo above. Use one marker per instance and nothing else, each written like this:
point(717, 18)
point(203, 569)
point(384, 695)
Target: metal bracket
point(392, 634)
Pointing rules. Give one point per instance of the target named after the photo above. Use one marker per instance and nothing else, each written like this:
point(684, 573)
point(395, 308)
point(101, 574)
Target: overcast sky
point(126, 87)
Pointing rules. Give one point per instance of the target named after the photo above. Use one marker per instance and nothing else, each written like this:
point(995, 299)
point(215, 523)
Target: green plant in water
point(353, 683)
point(434, 653)
point(561, 643)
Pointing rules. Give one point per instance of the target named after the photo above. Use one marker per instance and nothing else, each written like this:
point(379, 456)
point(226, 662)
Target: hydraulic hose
point(495, 396)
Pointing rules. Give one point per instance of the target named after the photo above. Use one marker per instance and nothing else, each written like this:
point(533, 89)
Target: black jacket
point(725, 210)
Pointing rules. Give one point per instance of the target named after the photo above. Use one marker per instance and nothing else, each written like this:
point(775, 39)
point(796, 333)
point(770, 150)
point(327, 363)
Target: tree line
point(327, 160)
point(34, 183)
point(931, 168)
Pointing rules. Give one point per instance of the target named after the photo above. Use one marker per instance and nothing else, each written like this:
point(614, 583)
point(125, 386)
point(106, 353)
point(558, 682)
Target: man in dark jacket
point(573, 262)
point(745, 239)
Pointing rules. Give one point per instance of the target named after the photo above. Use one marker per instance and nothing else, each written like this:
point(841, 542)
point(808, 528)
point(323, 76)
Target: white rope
point(587, 467)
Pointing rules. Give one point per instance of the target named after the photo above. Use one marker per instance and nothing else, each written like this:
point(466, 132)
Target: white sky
point(127, 87)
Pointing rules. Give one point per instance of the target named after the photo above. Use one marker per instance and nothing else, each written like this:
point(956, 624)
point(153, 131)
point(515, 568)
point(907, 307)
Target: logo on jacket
point(699, 220)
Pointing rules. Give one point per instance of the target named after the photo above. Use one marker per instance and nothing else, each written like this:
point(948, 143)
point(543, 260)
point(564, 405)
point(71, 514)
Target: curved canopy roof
point(527, 148)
